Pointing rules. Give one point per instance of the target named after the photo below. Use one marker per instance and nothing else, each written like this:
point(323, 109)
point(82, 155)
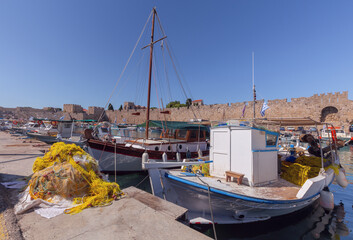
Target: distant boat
point(340, 133)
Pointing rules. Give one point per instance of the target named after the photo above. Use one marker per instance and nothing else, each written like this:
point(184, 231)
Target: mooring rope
point(209, 204)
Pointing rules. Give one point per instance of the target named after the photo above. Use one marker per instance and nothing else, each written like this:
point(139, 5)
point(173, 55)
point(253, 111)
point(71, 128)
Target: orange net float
point(334, 136)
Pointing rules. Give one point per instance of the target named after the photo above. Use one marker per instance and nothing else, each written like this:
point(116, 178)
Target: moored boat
point(245, 153)
point(180, 138)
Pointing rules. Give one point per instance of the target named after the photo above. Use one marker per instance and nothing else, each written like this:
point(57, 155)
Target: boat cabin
point(244, 150)
point(188, 135)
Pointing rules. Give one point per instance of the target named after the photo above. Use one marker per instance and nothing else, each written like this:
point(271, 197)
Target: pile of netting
point(203, 169)
point(302, 169)
point(66, 171)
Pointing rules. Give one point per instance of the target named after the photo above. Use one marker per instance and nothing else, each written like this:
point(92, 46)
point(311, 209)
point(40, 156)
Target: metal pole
point(253, 83)
point(150, 76)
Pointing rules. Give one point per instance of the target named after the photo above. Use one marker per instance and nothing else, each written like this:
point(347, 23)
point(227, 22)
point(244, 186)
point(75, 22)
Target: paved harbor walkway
point(137, 216)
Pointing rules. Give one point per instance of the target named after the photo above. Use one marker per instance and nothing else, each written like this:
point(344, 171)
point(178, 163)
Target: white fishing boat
point(337, 131)
point(245, 153)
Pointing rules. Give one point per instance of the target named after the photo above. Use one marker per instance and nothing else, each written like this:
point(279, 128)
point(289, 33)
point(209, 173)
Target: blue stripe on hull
point(242, 197)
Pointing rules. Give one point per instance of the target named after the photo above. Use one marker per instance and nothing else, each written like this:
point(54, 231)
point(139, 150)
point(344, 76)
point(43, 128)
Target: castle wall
point(297, 107)
point(330, 107)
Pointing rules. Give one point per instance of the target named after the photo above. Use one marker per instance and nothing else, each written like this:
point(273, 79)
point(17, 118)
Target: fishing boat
point(338, 131)
point(180, 140)
point(249, 155)
point(56, 131)
point(177, 139)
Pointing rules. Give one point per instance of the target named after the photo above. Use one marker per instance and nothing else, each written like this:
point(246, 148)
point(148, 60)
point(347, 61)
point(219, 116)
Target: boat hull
point(227, 207)
point(43, 138)
point(128, 159)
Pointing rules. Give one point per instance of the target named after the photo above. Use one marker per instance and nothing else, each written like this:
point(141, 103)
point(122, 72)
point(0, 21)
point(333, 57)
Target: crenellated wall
point(316, 107)
point(330, 107)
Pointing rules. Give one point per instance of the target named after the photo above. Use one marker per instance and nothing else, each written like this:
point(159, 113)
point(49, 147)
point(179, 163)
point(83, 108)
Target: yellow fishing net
point(66, 171)
point(302, 169)
point(203, 168)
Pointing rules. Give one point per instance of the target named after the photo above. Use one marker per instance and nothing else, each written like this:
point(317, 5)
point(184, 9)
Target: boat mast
point(150, 75)
point(253, 84)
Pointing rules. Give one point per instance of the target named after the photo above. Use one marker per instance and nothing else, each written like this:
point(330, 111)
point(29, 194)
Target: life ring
point(54, 123)
point(40, 122)
point(14, 122)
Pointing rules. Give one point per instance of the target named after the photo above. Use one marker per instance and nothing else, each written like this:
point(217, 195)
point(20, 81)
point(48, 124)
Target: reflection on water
point(310, 223)
point(136, 179)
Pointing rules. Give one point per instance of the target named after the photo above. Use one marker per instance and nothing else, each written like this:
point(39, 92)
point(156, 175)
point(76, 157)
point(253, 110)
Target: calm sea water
point(311, 223)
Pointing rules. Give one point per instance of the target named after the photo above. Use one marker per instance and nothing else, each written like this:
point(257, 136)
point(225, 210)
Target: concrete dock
point(139, 215)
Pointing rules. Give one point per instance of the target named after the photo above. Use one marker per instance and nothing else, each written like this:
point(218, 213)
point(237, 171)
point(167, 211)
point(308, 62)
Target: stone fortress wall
point(331, 107)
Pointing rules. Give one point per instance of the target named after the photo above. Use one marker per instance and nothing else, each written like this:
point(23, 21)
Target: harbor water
point(311, 223)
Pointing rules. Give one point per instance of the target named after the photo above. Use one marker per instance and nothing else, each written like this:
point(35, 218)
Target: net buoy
point(178, 157)
point(164, 157)
point(144, 159)
point(326, 199)
point(341, 178)
point(199, 152)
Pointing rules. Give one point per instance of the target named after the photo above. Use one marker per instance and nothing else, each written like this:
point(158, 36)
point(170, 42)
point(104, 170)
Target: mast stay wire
point(138, 40)
point(155, 85)
point(156, 77)
point(139, 83)
point(160, 104)
point(144, 79)
point(174, 66)
point(164, 67)
point(166, 73)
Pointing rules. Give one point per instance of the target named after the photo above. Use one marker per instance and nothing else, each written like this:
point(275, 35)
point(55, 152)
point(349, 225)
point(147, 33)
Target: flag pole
point(253, 83)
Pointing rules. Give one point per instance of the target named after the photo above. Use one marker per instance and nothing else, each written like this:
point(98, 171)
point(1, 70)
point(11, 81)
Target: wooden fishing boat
point(179, 140)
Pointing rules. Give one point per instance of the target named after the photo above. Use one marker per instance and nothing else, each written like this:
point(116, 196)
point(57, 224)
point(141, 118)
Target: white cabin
point(244, 150)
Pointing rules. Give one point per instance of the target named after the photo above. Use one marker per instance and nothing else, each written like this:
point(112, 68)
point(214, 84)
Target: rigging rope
point(166, 73)
point(138, 40)
point(175, 68)
point(209, 203)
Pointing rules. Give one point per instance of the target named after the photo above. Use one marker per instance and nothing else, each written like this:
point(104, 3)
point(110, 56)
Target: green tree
point(188, 102)
point(121, 107)
point(175, 104)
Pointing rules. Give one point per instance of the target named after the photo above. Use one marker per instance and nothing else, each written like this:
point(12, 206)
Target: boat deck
point(155, 141)
point(278, 190)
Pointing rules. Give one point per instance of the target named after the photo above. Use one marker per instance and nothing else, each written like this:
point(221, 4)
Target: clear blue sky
point(57, 52)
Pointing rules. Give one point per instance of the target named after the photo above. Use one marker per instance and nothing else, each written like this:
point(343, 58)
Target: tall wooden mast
point(150, 75)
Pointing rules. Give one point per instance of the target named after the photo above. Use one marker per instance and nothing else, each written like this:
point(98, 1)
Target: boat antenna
point(253, 83)
point(150, 75)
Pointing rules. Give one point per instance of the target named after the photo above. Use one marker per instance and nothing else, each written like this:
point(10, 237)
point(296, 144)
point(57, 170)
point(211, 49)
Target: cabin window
point(202, 135)
point(271, 140)
point(181, 134)
point(67, 125)
point(192, 134)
